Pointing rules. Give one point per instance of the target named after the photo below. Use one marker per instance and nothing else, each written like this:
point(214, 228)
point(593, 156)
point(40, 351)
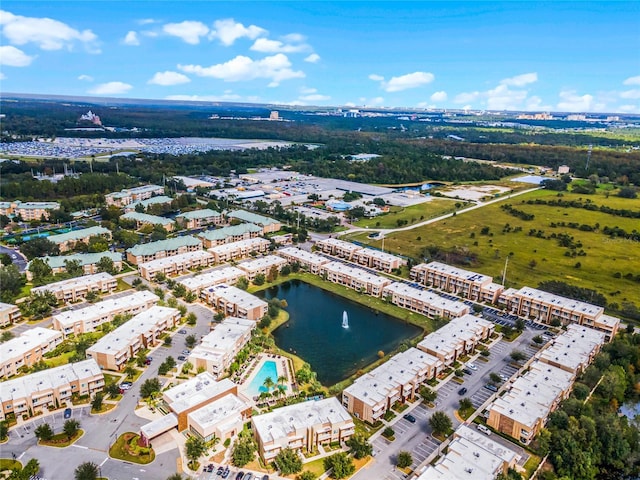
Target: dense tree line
point(586, 205)
point(571, 291)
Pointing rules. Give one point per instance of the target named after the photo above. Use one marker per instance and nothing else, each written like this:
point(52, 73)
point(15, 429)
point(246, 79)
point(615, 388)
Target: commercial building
point(544, 307)
point(465, 283)
point(234, 233)
point(199, 218)
point(397, 380)
point(176, 264)
point(355, 277)
point(147, 252)
point(240, 249)
point(378, 260)
point(113, 350)
point(9, 314)
point(144, 204)
point(88, 262)
point(423, 302)
point(87, 319)
point(308, 261)
point(50, 388)
point(130, 195)
point(458, 337)
point(302, 427)
point(268, 225)
point(28, 210)
point(76, 289)
point(235, 302)
point(261, 266)
point(338, 248)
point(574, 350)
point(218, 349)
point(197, 283)
point(146, 219)
point(66, 241)
point(27, 349)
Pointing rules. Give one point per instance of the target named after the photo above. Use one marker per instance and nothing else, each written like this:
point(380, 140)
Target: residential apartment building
point(76, 289)
point(240, 249)
point(544, 307)
point(423, 302)
point(378, 260)
point(130, 195)
point(28, 210)
point(147, 252)
point(88, 262)
point(89, 318)
point(223, 418)
point(308, 261)
point(146, 219)
point(458, 337)
point(217, 350)
point(175, 265)
point(458, 281)
point(197, 283)
point(234, 233)
point(355, 277)
point(235, 302)
point(268, 225)
point(574, 350)
point(51, 388)
point(66, 241)
point(261, 266)
point(397, 380)
point(338, 248)
point(9, 314)
point(159, 200)
point(199, 218)
point(27, 349)
point(113, 350)
point(302, 427)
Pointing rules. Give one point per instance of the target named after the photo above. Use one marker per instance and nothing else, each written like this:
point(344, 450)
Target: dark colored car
point(210, 467)
point(220, 470)
point(226, 472)
point(462, 391)
point(67, 413)
point(265, 477)
point(239, 475)
point(467, 371)
point(182, 358)
point(183, 331)
point(491, 386)
point(409, 418)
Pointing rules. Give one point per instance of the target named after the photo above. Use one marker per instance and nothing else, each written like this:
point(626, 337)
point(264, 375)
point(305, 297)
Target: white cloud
point(85, 78)
point(466, 97)
point(314, 97)
point(150, 33)
point(189, 31)
point(168, 78)
point(520, 80)
point(570, 101)
point(14, 57)
point(228, 31)
point(534, 103)
point(110, 88)
point(313, 58)
point(502, 98)
point(146, 21)
point(376, 78)
point(275, 68)
point(440, 96)
point(403, 82)
point(266, 45)
point(47, 33)
point(204, 98)
point(632, 94)
point(632, 81)
point(628, 109)
point(369, 102)
point(131, 39)
point(2, 76)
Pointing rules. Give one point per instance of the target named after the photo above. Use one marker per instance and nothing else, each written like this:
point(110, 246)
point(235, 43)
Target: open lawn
point(533, 259)
point(413, 214)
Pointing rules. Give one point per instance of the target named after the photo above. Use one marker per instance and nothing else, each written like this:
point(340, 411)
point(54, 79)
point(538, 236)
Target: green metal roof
point(251, 217)
point(146, 218)
point(195, 214)
point(222, 233)
point(83, 258)
point(168, 244)
point(78, 234)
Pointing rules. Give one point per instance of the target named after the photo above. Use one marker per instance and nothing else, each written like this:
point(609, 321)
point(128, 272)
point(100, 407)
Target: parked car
point(462, 391)
point(210, 467)
point(182, 358)
point(186, 352)
point(220, 470)
point(240, 475)
point(183, 331)
point(247, 476)
point(466, 371)
point(226, 472)
point(409, 418)
point(491, 386)
point(67, 413)
point(148, 361)
point(484, 429)
point(472, 366)
point(265, 477)
point(503, 377)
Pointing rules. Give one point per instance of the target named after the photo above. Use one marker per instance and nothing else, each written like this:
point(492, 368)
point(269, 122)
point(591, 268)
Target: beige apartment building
point(234, 233)
point(142, 219)
point(28, 210)
point(378, 260)
point(51, 388)
point(338, 248)
point(574, 350)
point(9, 314)
point(234, 302)
point(88, 262)
point(113, 350)
point(130, 195)
point(76, 289)
point(176, 264)
point(27, 349)
point(268, 225)
point(262, 265)
point(199, 218)
point(149, 202)
point(197, 283)
point(302, 427)
point(423, 302)
point(147, 252)
point(240, 249)
point(355, 277)
point(89, 318)
point(308, 261)
point(67, 241)
point(223, 418)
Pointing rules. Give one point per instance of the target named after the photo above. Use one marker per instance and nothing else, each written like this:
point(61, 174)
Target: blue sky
point(557, 56)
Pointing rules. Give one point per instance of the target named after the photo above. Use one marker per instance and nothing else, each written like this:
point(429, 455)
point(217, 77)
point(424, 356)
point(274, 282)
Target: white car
point(472, 366)
point(484, 429)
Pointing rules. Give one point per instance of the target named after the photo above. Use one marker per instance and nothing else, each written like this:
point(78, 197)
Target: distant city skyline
point(557, 56)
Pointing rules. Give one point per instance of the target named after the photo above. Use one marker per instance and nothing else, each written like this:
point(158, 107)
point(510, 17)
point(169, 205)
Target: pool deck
point(283, 367)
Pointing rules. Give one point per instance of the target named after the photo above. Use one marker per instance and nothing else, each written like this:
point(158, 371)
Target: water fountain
point(345, 320)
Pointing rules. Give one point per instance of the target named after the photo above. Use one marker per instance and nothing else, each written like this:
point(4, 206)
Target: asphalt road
point(18, 259)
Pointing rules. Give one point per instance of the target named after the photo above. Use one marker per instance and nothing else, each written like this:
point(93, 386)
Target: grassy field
point(534, 259)
point(413, 214)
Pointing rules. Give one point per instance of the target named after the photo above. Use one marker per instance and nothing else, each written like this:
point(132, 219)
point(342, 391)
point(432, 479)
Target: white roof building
point(228, 275)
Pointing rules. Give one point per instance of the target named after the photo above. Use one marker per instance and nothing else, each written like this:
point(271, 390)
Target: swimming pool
point(268, 369)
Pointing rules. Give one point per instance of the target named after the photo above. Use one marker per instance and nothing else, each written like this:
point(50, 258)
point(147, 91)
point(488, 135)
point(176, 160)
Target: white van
point(484, 429)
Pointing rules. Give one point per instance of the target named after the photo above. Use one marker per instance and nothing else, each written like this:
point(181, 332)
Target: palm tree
point(268, 384)
point(282, 379)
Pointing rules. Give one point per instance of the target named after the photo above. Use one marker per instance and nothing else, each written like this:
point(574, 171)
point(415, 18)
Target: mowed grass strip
point(412, 214)
point(536, 259)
